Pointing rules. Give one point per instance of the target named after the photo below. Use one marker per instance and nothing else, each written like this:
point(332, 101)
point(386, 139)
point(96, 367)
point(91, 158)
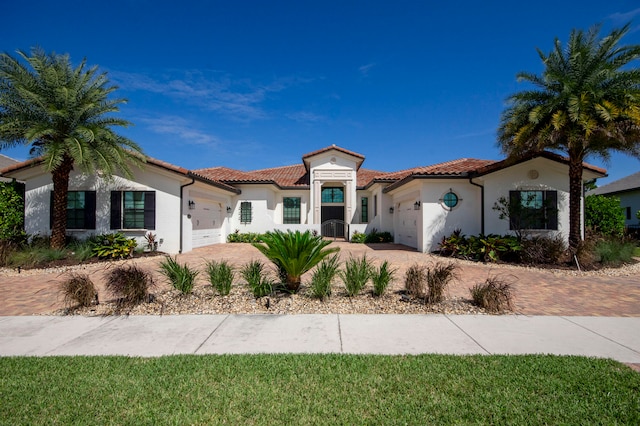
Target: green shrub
point(604, 215)
point(253, 273)
point(378, 237)
point(381, 278)
point(494, 295)
point(485, 248)
point(247, 237)
point(323, 276)
point(78, 290)
point(114, 246)
point(221, 276)
point(614, 252)
point(543, 250)
point(358, 237)
point(415, 280)
point(356, 274)
point(294, 253)
point(438, 278)
point(129, 284)
point(181, 277)
point(12, 233)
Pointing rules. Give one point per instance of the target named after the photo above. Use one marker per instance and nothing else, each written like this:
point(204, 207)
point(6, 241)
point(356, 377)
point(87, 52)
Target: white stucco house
point(627, 190)
point(328, 191)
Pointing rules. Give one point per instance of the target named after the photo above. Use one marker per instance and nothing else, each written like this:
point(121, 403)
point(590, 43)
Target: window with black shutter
point(133, 210)
point(533, 210)
point(81, 210)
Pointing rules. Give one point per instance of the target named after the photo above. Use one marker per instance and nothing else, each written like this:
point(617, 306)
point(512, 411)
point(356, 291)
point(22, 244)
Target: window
point(81, 210)
point(375, 206)
point(364, 210)
point(133, 210)
point(333, 195)
point(245, 212)
point(628, 212)
point(450, 199)
point(533, 210)
point(291, 210)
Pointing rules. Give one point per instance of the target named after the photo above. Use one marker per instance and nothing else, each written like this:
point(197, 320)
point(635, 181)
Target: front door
point(333, 213)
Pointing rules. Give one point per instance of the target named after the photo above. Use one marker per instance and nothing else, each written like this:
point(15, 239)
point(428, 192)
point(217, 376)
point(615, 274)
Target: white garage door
point(408, 225)
point(206, 219)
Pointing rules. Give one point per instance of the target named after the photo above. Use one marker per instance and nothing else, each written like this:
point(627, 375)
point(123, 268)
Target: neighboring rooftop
point(629, 183)
point(6, 161)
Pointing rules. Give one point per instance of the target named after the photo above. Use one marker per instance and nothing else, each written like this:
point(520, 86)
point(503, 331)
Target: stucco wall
point(630, 199)
point(551, 176)
point(37, 204)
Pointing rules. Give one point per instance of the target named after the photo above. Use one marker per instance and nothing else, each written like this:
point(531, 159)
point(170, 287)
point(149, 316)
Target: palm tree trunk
point(60, 178)
point(575, 200)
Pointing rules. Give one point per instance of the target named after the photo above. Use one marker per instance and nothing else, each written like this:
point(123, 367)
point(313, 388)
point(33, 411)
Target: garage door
point(408, 225)
point(207, 220)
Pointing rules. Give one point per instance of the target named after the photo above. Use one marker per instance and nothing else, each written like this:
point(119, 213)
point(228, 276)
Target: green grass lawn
point(318, 389)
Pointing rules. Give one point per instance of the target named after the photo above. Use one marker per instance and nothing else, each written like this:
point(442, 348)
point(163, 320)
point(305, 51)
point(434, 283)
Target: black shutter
point(116, 209)
point(51, 210)
point(551, 205)
point(90, 209)
point(150, 210)
point(514, 210)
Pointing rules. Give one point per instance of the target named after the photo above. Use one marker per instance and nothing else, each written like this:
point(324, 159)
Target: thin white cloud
point(305, 117)
point(364, 70)
point(236, 98)
point(474, 134)
point(624, 17)
point(178, 126)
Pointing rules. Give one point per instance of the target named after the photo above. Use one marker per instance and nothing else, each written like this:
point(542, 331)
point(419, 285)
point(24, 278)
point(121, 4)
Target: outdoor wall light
point(192, 205)
point(228, 209)
point(416, 205)
point(391, 210)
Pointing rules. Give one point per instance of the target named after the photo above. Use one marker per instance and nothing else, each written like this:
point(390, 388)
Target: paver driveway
point(537, 292)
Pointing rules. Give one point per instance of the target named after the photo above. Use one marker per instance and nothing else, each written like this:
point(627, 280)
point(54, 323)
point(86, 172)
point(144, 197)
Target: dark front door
point(333, 213)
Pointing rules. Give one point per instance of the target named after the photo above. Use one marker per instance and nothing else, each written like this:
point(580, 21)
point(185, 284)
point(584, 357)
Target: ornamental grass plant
point(324, 275)
point(356, 274)
point(181, 277)
point(78, 290)
point(221, 275)
point(129, 284)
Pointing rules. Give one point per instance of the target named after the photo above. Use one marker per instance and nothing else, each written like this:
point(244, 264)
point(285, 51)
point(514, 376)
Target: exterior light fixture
point(391, 210)
point(416, 205)
point(228, 209)
point(192, 205)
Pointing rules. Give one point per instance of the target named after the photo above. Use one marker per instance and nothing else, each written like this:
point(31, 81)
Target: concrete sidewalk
point(608, 337)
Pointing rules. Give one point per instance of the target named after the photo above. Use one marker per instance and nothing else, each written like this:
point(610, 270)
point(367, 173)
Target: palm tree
point(64, 114)
point(294, 253)
point(586, 102)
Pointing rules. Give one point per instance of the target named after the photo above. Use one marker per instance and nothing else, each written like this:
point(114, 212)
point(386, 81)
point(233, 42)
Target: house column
point(348, 201)
point(317, 201)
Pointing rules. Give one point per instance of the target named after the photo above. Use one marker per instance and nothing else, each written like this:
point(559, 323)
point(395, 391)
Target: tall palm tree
point(585, 103)
point(64, 114)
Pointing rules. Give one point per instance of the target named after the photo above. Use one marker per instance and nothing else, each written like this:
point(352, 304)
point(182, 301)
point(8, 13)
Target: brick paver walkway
point(537, 292)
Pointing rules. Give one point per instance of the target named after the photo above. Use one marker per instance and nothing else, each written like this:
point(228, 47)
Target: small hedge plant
point(114, 246)
point(373, 237)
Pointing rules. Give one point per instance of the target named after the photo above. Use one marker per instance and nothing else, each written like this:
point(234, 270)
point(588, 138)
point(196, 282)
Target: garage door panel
point(206, 221)
point(407, 226)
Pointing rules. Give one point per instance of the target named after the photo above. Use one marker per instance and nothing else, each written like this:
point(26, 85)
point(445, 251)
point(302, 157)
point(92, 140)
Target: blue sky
point(256, 84)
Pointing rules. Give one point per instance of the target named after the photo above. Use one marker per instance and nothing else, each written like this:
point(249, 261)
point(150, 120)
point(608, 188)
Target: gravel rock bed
point(241, 301)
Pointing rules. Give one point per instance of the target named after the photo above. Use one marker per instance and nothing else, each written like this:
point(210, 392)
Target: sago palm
point(294, 253)
point(64, 114)
point(586, 102)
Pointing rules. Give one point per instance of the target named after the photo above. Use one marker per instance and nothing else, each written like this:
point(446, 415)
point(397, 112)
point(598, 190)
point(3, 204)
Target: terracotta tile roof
point(497, 165)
